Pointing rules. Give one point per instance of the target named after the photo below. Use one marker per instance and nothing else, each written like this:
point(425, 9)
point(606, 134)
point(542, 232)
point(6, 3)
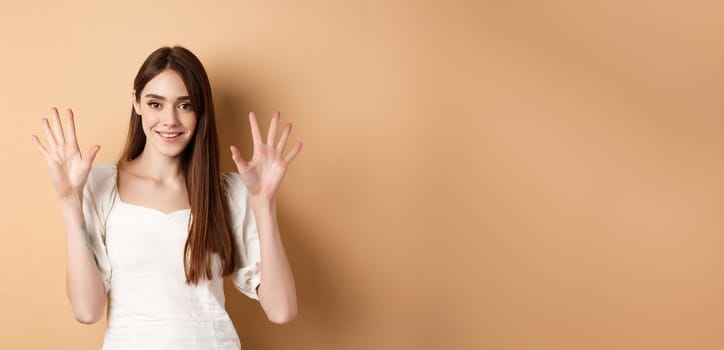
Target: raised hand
point(264, 173)
point(68, 169)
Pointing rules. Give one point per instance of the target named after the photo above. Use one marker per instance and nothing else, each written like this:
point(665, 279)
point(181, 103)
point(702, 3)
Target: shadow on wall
point(319, 309)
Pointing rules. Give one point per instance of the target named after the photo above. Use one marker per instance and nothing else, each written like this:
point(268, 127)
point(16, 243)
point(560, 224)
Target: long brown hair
point(209, 230)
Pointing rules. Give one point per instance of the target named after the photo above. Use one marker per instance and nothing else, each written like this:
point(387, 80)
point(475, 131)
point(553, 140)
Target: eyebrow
point(164, 99)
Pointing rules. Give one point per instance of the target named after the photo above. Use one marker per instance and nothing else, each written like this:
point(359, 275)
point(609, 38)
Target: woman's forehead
point(168, 85)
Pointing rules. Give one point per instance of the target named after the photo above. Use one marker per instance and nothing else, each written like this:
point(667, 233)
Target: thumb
point(92, 153)
point(241, 164)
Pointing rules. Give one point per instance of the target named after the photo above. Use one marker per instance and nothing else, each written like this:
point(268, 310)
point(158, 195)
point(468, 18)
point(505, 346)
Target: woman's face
point(167, 116)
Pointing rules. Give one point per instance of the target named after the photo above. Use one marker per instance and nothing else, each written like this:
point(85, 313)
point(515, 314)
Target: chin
point(171, 152)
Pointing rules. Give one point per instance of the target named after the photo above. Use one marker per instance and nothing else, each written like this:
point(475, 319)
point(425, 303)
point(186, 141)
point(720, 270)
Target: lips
point(169, 136)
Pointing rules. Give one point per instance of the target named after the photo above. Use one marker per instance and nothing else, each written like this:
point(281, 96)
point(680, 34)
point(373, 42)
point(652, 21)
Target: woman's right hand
point(68, 169)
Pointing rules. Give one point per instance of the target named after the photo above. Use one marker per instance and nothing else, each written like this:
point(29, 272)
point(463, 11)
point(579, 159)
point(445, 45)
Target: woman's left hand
point(264, 173)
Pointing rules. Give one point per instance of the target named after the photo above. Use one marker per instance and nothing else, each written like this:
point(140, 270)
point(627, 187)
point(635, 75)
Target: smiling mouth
point(169, 136)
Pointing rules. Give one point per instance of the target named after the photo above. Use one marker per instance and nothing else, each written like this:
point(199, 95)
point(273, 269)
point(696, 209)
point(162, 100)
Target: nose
point(170, 117)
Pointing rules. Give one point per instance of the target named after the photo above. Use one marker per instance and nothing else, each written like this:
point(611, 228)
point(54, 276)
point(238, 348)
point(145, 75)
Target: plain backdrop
point(475, 175)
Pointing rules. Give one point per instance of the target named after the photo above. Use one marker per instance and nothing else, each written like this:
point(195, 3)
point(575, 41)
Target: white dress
point(139, 251)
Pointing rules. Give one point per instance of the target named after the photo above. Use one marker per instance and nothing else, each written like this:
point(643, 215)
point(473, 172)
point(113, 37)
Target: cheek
point(191, 123)
point(148, 116)
point(147, 122)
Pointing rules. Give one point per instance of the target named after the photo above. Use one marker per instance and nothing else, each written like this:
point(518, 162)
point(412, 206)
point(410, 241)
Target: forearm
point(84, 282)
point(277, 292)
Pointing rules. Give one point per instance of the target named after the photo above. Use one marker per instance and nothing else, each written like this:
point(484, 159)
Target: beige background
point(476, 175)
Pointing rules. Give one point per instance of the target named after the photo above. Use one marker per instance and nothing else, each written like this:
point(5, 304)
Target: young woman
point(154, 233)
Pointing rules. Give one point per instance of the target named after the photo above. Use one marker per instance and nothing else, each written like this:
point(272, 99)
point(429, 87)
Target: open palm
point(68, 169)
point(264, 172)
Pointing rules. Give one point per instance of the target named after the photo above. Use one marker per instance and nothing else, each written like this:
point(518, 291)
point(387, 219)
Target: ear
point(136, 106)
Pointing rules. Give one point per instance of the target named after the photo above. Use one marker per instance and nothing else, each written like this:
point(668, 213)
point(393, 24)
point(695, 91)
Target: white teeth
point(169, 135)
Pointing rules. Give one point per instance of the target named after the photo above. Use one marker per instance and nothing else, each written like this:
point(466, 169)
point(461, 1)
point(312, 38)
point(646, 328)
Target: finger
point(92, 154)
point(238, 159)
point(272, 130)
point(52, 143)
point(57, 127)
point(284, 137)
point(40, 146)
point(71, 128)
point(294, 152)
point(255, 135)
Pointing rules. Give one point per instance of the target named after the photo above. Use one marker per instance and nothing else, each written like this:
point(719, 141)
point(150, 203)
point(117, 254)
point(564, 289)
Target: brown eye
point(154, 104)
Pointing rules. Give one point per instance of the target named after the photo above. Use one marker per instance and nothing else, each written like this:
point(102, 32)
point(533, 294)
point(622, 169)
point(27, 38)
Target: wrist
point(71, 207)
point(71, 200)
point(262, 204)
point(261, 199)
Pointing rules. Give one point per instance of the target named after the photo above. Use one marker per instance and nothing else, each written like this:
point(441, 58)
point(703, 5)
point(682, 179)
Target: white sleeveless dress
point(140, 253)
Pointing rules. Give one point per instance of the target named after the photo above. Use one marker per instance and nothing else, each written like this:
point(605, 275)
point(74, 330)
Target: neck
point(159, 167)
